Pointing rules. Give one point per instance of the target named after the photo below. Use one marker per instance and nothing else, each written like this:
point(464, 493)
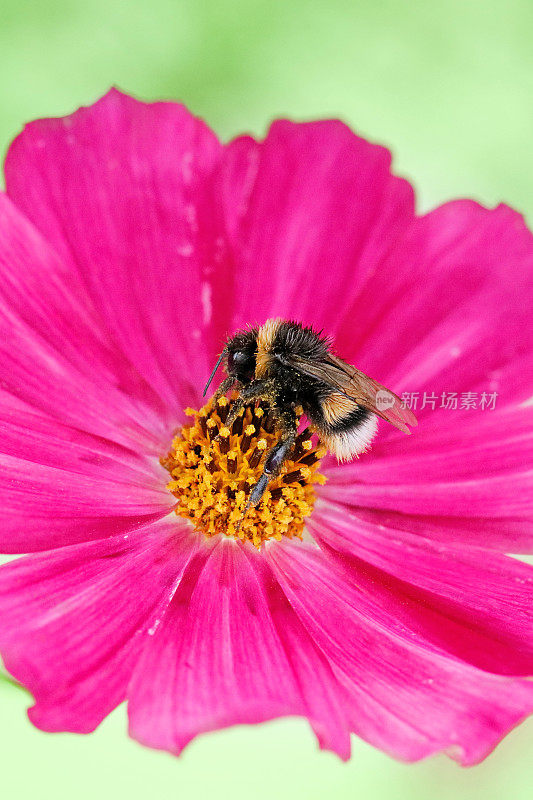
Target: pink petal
point(403, 695)
point(45, 507)
point(496, 495)
point(312, 210)
point(38, 438)
point(474, 468)
point(505, 534)
point(73, 621)
point(475, 604)
point(484, 444)
point(121, 190)
point(230, 650)
point(448, 309)
point(53, 354)
point(60, 486)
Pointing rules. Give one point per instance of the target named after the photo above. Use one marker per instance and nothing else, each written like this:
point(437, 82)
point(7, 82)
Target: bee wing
point(359, 387)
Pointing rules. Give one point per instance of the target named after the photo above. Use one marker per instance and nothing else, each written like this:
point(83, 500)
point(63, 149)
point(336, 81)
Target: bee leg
point(257, 389)
point(226, 384)
point(275, 457)
point(233, 413)
point(252, 391)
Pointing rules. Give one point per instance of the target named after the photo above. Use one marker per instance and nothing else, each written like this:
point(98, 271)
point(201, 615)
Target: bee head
point(241, 353)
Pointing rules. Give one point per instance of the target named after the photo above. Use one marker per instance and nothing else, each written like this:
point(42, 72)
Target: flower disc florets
point(214, 468)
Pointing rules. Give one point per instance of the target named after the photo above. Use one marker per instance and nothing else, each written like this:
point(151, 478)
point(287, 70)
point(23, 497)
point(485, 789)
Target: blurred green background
point(449, 87)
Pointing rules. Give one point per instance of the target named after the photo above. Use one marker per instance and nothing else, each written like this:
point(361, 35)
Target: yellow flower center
point(213, 469)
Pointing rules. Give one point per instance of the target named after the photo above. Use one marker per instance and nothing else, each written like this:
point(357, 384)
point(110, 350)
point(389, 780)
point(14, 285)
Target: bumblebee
point(289, 365)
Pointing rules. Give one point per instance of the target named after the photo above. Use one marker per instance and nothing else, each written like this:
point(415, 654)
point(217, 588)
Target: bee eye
point(241, 365)
point(237, 359)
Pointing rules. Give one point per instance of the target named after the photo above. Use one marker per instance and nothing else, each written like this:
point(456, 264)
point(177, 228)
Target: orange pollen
point(213, 469)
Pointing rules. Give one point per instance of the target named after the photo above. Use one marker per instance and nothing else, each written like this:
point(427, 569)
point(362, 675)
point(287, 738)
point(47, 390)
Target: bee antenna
point(223, 353)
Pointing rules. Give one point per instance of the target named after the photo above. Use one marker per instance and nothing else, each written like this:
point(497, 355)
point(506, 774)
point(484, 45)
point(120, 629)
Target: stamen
point(238, 423)
point(232, 462)
point(270, 423)
point(310, 459)
point(203, 423)
point(258, 417)
point(302, 444)
point(223, 408)
point(247, 437)
point(212, 428)
point(214, 467)
point(257, 454)
point(223, 439)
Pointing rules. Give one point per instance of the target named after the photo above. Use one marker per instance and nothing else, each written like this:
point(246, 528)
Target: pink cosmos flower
point(132, 242)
